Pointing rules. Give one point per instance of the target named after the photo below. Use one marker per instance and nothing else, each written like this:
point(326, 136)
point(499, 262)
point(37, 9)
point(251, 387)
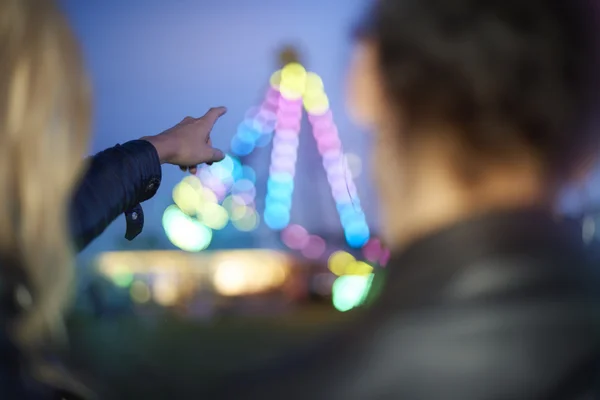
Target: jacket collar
point(430, 262)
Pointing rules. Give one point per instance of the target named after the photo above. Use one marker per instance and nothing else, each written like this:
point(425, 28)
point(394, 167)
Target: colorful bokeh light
point(350, 291)
point(225, 192)
point(339, 175)
point(284, 153)
point(298, 87)
point(342, 263)
point(184, 231)
point(259, 123)
point(221, 193)
point(140, 292)
point(295, 237)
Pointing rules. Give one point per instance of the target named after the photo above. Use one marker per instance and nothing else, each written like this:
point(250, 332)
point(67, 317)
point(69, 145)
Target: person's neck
point(437, 201)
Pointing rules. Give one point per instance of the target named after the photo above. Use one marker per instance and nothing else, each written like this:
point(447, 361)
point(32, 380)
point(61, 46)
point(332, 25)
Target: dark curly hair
point(505, 74)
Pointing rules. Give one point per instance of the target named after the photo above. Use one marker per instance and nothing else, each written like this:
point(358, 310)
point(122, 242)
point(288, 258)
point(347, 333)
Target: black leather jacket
point(498, 307)
point(116, 182)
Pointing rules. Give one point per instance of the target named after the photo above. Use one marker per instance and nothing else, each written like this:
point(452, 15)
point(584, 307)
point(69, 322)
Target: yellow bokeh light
point(316, 103)
point(193, 181)
point(293, 72)
point(186, 197)
point(293, 81)
point(140, 293)
point(236, 209)
point(214, 216)
point(239, 211)
point(115, 268)
point(275, 79)
point(239, 275)
point(339, 261)
point(292, 87)
point(291, 94)
point(165, 291)
point(314, 84)
point(248, 222)
point(228, 202)
point(208, 199)
point(208, 196)
point(230, 279)
point(359, 268)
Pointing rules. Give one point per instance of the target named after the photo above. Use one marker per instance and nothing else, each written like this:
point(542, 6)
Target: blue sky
point(153, 62)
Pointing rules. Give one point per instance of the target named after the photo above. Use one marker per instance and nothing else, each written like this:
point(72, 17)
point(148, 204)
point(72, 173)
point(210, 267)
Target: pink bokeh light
point(315, 247)
point(329, 131)
point(373, 250)
point(385, 257)
point(295, 237)
point(287, 105)
point(289, 115)
point(330, 145)
point(316, 119)
point(288, 125)
point(273, 97)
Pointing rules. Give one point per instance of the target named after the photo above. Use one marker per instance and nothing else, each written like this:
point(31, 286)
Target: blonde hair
point(44, 124)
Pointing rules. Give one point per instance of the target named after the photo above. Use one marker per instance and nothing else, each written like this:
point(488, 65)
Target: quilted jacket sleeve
point(117, 180)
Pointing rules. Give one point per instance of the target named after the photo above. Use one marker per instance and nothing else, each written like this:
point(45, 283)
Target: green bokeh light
point(350, 291)
point(185, 232)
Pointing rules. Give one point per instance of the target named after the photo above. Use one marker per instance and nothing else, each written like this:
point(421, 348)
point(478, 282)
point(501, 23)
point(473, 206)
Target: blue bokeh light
point(247, 133)
point(277, 215)
point(248, 173)
point(240, 147)
point(280, 186)
point(264, 139)
point(286, 201)
point(357, 234)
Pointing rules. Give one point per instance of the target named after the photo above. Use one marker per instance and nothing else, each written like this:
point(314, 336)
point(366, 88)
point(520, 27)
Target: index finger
point(214, 114)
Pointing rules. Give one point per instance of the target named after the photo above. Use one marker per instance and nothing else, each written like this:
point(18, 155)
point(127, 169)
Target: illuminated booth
point(172, 277)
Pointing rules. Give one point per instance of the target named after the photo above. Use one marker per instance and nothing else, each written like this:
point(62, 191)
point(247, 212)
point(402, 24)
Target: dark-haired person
point(482, 111)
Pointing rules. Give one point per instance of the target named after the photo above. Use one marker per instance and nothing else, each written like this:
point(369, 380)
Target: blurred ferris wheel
point(225, 192)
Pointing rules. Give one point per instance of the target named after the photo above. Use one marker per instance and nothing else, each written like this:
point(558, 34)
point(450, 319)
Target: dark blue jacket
point(116, 182)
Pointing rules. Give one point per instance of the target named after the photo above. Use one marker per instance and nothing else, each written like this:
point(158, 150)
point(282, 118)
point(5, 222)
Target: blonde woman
point(44, 219)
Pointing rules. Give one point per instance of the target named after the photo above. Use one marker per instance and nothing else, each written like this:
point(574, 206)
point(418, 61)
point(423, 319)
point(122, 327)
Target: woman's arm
point(120, 178)
point(117, 181)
